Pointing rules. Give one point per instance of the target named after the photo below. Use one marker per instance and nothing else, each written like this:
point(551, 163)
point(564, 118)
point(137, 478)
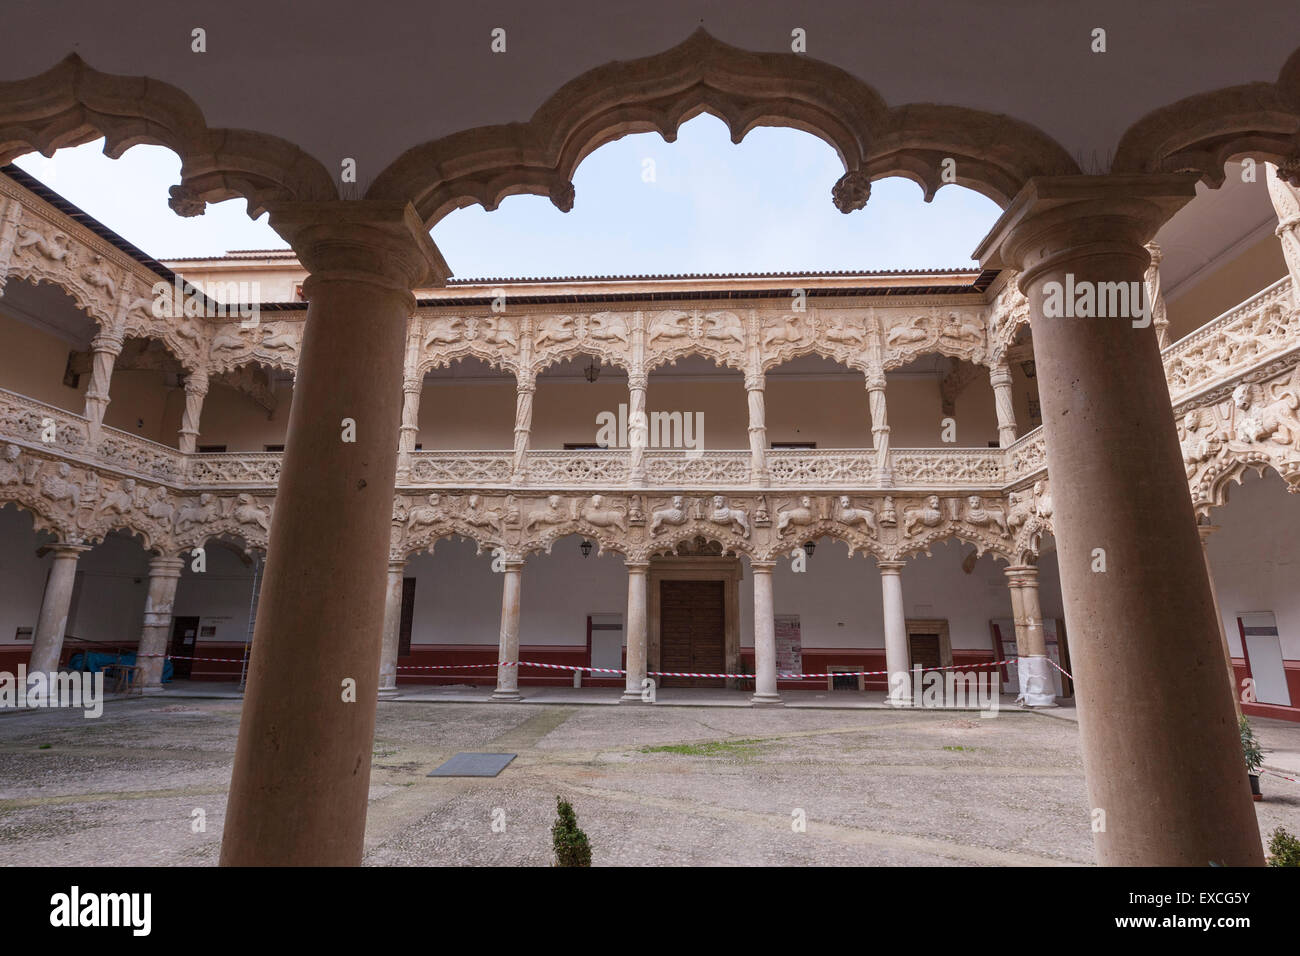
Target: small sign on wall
point(789, 644)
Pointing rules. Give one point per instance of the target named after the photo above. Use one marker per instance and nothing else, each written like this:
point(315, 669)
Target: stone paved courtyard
point(651, 786)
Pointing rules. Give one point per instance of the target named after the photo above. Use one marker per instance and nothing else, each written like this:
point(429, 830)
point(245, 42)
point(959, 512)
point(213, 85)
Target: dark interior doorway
point(692, 631)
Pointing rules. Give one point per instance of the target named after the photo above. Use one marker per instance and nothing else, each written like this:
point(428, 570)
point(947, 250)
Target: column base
point(505, 695)
point(1036, 684)
point(633, 697)
point(387, 693)
point(766, 700)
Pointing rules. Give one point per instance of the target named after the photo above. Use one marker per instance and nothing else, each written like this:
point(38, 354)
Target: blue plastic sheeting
point(94, 662)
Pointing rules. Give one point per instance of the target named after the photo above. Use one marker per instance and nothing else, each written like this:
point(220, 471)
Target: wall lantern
point(809, 548)
point(1029, 369)
point(592, 371)
point(586, 547)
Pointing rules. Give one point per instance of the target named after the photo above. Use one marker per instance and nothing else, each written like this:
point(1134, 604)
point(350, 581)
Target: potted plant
point(1253, 753)
point(570, 843)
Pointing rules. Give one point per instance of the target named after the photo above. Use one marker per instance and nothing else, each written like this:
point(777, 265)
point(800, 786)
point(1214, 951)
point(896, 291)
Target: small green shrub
point(571, 846)
point(1283, 848)
point(1250, 745)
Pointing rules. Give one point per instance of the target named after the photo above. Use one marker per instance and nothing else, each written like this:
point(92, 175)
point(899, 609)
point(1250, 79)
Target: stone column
point(392, 631)
point(898, 654)
point(638, 425)
point(104, 350)
point(765, 692)
point(1205, 530)
point(1018, 620)
point(1286, 201)
point(1004, 403)
point(1036, 681)
point(636, 631)
point(880, 429)
point(301, 777)
point(155, 636)
point(508, 650)
point(196, 389)
point(524, 389)
point(1159, 314)
point(52, 622)
point(754, 388)
point(410, 430)
point(1157, 728)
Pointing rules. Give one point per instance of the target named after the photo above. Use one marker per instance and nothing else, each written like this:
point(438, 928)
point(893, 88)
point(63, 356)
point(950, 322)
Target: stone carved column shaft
point(1141, 629)
point(880, 429)
point(1004, 403)
point(52, 622)
point(637, 642)
point(410, 430)
point(155, 636)
point(754, 389)
point(1037, 684)
point(898, 654)
point(1159, 314)
point(1018, 622)
point(1286, 202)
point(196, 389)
point(638, 425)
point(392, 630)
point(508, 646)
point(104, 350)
point(300, 784)
point(765, 691)
point(524, 390)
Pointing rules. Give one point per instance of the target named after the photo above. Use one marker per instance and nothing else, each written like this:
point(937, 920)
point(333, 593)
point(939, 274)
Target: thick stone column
point(301, 776)
point(765, 692)
point(410, 430)
point(1018, 620)
point(754, 388)
point(508, 650)
point(1286, 202)
point(52, 622)
point(1205, 530)
point(1035, 671)
point(524, 390)
point(104, 350)
point(1004, 403)
point(898, 654)
point(392, 630)
point(880, 429)
point(1157, 726)
point(155, 636)
point(638, 425)
point(636, 631)
point(196, 389)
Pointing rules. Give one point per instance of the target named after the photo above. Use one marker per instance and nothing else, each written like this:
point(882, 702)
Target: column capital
point(1205, 530)
point(162, 566)
point(108, 340)
point(1000, 374)
point(891, 567)
point(1056, 218)
point(1022, 574)
point(637, 566)
point(761, 566)
point(68, 550)
point(755, 381)
point(378, 242)
point(396, 566)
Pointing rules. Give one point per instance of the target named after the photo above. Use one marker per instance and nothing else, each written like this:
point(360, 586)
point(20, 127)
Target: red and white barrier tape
point(618, 671)
point(1060, 668)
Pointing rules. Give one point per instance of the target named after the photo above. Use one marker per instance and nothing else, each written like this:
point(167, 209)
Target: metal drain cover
point(473, 765)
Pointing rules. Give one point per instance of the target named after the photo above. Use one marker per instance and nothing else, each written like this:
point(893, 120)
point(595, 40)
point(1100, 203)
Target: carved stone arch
point(667, 542)
point(72, 103)
point(238, 544)
point(1214, 486)
point(253, 377)
point(857, 360)
point(604, 539)
point(617, 358)
point(953, 530)
point(469, 350)
point(1029, 539)
point(138, 352)
point(1201, 134)
point(957, 331)
point(240, 514)
point(659, 357)
point(856, 542)
point(93, 305)
point(994, 154)
point(45, 520)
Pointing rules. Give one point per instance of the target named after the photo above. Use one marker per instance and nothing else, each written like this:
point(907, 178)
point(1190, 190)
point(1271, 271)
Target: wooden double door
point(692, 629)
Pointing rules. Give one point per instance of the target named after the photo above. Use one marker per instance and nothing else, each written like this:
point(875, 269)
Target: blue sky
point(701, 204)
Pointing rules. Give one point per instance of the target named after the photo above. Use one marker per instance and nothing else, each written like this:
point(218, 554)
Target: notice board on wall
point(789, 645)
